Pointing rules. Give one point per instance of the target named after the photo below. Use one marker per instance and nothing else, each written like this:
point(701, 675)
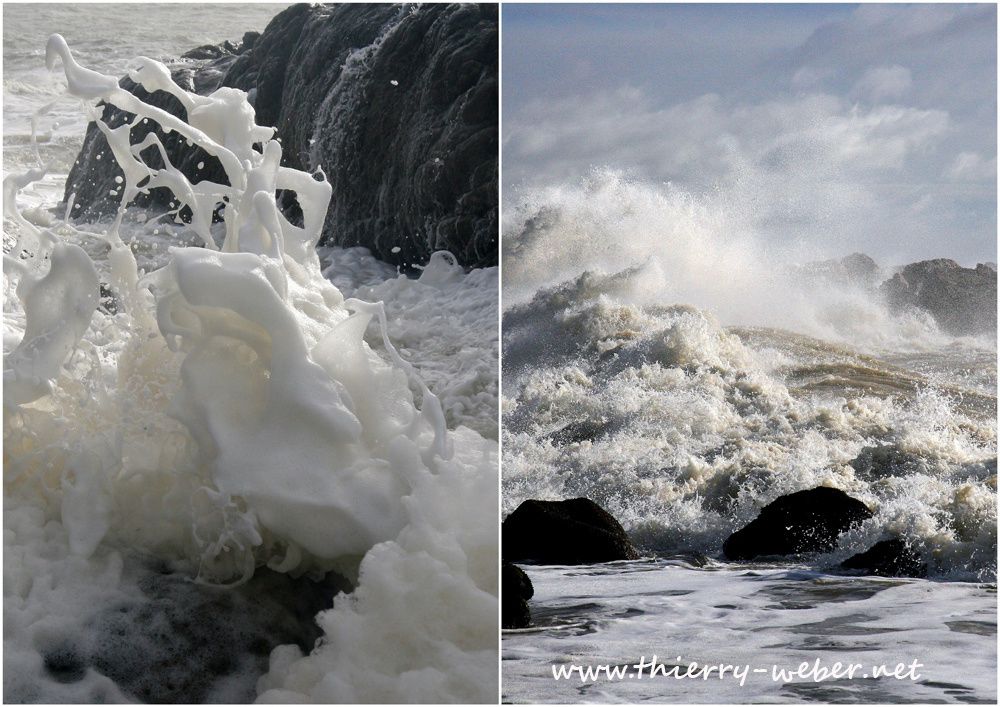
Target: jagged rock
point(806, 521)
point(572, 532)
point(397, 104)
point(856, 269)
point(888, 558)
point(961, 300)
point(515, 589)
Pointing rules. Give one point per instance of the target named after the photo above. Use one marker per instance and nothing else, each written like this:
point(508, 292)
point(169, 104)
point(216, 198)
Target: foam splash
point(229, 414)
point(697, 249)
point(684, 429)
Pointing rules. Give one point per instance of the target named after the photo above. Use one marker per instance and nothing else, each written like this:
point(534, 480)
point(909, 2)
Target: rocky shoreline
point(397, 106)
point(962, 301)
point(797, 525)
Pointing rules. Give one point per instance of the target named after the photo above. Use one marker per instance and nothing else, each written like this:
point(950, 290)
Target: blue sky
point(866, 127)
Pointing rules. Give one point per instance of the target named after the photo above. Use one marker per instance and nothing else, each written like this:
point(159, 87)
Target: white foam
point(231, 415)
point(684, 429)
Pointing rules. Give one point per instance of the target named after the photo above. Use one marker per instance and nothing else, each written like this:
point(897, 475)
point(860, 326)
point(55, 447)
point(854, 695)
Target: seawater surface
point(756, 617)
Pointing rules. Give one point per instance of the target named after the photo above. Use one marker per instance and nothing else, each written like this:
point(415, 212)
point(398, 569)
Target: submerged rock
point(576, 432)
point(888, 558)
point(806, 521)
point(572, 532)
point(885, 460)
point(396, 104)
point(516, 589)
point(963, 301)
point(184, 642)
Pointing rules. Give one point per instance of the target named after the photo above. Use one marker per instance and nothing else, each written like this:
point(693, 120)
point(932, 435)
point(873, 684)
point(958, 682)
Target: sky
point(860, 127)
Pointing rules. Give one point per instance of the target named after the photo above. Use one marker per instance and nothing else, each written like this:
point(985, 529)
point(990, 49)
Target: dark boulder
point(515, 590)
point(963, 301)
point(888, 558)
point(397, 104)
point(572, 532)
point(806, 521)
point(181, 642)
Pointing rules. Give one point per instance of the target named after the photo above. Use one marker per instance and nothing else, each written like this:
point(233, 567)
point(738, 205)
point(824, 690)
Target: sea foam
point(224, 412)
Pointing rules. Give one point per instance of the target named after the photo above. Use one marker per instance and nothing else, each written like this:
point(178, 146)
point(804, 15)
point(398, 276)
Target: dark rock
point(888, 558)
point(64, 663)
point(575, 432)
point(515, 590)
point(407, 136)
point(806, 521)
point(961, 300)
point(184, 642)
point(93, 176)
point(572, 532)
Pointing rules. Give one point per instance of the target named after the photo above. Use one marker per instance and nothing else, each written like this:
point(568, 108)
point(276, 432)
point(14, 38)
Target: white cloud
point(884, 82)
point(972, 167)
point(810, 77)
point(848, 129)
point(708, 140)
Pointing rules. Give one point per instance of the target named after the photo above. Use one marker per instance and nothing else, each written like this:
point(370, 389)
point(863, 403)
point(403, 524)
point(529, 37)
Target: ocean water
point(661, 360)
point(244, 427)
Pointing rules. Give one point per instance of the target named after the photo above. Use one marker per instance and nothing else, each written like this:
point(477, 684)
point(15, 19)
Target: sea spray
point(697, 249)
point(228, 414)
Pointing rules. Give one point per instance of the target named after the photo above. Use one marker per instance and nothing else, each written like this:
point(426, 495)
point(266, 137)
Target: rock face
point(856, 269)
point(806, 521)
point(397, 105)
point(516, 589)
point(888, 558)
point(961, 300)
point(572, 532)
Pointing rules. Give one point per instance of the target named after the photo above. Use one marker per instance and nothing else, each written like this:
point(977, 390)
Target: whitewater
point(212, 428)
point(661, 359)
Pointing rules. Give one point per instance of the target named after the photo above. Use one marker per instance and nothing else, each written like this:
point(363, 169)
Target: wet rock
point(572, 532)
point(693, 558)
point(888, 558)
point(885, 460)
point(806, 521)
point(183, 642)
point(407, 137)
point(576, 432)
point(516, 589)
point(961, 300)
